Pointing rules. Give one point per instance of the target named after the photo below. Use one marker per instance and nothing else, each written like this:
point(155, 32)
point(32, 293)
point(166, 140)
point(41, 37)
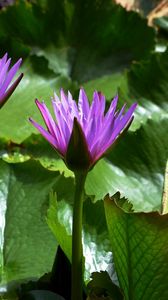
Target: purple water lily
point(6, 76)
point(100, 129)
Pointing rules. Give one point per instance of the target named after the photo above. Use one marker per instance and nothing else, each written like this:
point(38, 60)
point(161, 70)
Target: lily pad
point(139, 245)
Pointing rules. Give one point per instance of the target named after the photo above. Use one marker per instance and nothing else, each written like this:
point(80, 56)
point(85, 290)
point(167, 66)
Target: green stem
point(77, 252)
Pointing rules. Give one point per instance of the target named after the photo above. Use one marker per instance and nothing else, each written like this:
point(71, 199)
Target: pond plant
point(81, 134)
point(83, 198)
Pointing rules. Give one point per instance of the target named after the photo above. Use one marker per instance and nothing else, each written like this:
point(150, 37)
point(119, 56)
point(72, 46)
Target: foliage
point(139, 243)
point(98, 45)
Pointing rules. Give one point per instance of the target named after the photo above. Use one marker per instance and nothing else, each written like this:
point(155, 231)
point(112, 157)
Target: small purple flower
point(99, 129)
point(6, 76)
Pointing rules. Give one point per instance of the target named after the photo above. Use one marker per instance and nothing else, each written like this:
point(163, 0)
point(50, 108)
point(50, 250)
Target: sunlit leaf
point(139, 243)
point(25, 236)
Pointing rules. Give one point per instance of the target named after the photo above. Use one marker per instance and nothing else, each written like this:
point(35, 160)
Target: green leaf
point(25, 236)
point(37, 148)
point(108, 43)
point(147, 83)
point(107, 84)
point(59, 59)
point(139, 244)
point(135, 167)
point(28, 24)
point(56, 212)
point(103, 45)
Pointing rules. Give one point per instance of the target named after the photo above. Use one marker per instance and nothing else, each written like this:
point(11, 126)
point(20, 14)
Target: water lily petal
point(99, 130)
